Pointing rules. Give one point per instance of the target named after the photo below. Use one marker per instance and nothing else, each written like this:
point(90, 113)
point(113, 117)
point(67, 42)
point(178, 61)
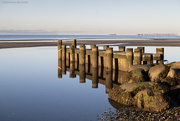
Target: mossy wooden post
point(59, 49)
point(95, 77)
point(95, 57)
point(73, 42)
point(142, 49)
point(64, 67)
point(109, 58)
point(82, 54)
point(72, 54)
point(121, 48)
point(137, 57)
point(129, 55)
point(105, 47)
point(59, 68)
point(109, 82)
point(161, 52)
point(82, 75)
point(63, 52)
point(72, 70)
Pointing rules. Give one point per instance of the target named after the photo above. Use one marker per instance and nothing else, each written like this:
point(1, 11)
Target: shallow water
point(30, 89)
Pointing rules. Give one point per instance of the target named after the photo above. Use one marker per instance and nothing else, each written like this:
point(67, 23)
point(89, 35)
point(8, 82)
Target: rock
point(174, 74)
point(123, 77)
point(144, 67)
point(170, 81)
point(137, 75)
point(158, 72)
point(175, 65)
point(120, 96)
point(134, 88)
point(150, 100)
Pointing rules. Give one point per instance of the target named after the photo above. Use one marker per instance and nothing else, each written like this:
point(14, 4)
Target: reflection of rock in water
point(118, 106)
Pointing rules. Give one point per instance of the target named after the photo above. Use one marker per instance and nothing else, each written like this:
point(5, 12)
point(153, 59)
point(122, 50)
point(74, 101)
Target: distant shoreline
point(111, 42)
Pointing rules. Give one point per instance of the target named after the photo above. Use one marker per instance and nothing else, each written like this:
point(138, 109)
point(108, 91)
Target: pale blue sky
point(90, 16)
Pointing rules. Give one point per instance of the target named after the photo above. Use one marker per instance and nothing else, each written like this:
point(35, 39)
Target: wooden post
point(82, 54)
point(59, 49)
point(137, 57)
point(72, 71)
point(95, 57)
point(72, 54)
point(63, 52)
point(161, 52)
point(109, 82)
point(64, 67)
point(122, 48)
point(105, 47)
point(73, 42)
point(109, 58)
point(142, 49)
point(129, 55)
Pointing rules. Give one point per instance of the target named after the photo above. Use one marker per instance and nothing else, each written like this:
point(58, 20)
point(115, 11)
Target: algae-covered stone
point(120, 96)
point(137, 75)
point(158, 72)
point(175, 65)
point(144, 67)
point(150, 100)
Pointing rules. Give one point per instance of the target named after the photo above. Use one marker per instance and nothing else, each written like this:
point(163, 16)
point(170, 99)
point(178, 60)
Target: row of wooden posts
point(109, 59)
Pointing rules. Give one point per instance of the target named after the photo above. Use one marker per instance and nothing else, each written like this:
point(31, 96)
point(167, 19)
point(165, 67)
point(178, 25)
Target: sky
point(89, 17)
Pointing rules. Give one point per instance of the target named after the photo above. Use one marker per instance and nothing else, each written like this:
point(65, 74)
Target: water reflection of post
point(72, 70)
point(64, 67)
point(94, 67)
point(109, 64)
point(59, 68)
point(82, 73)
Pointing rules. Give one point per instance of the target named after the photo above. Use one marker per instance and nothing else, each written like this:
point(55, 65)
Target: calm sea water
point(30, 89)
point(17, 37)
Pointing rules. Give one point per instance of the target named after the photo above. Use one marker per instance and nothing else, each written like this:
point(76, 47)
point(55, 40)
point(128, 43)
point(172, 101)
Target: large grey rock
point(137, 75)
point(144, 67)
point(158, 72)
point(150, 100)
point(120, 96)
point(134, 88)
point(175, 65)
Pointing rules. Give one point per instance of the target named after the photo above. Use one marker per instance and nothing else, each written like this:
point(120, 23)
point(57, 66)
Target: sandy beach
point(112, 42)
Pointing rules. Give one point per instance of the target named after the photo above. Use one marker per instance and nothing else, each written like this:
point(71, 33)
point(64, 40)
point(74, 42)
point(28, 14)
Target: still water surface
point(30, 89)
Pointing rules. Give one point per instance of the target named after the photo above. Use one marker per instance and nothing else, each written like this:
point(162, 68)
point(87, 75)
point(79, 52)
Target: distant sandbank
point(112, 42)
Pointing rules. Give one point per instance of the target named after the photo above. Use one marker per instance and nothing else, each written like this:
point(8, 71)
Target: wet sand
point(112, 42)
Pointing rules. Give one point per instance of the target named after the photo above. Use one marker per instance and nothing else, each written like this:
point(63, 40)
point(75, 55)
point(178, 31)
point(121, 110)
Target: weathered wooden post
point(129, 55)
point(63, 52)
point(95, 57)
point(105, 47)
point(95, 77)
point(59, 49)
point(137, 57)
point(92, 46)
point(142, 49)
point(59, 68)
point(122, 48)
point(82, 50)
point(73, 42)
point(109, 58)
point(161, 52)
point(72, 54)
point(82, 75)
